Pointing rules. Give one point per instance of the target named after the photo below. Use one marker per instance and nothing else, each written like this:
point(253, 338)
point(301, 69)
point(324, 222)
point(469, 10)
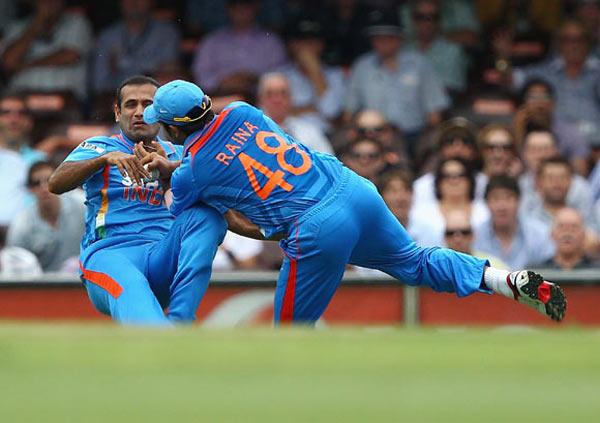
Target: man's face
point(503, 204)
point(539, 146)
point(398, 198)
point(425, 18)
point(38, 184)
point(15, 119)
point(366, 159)
point(136, 9)
point(568, 232)
point(275, 98)
point(135, 98)
point(553, 183)
point(540, 104)
point(372, 124)
point(573, 45)
point(242, 14)
point(459, 233)
point(386, 46)
point(498, 151)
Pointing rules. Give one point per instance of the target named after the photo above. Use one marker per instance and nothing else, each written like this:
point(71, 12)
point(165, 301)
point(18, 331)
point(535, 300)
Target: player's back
point(244, 161)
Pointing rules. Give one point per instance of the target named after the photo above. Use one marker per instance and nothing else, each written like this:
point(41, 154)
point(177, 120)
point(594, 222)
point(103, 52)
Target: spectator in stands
point(275, 99)
point(13, 171)
point(136, 44)
point(516, 239)
point(539, 146)
point(365, 157)
point(458, 21)
point(17, 123)
point(498, 152)
point(238, 253)
point(344, 31)
point(458, 235)
point(447, 57)
point(17, 262)
point(553, 180)
point(455, 138)
point(395, 187)
point(229, 60)
point(536, 111)
point(594, 178)
point(47, 51)
point(588, 13)
point(52, 228)
point(569, 235)
point(454, 190)
point(401, 84)
point(317, 89)
point(574, 75)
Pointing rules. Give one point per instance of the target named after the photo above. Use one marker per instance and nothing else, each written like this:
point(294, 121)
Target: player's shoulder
point(171, 149)
point(99, 144)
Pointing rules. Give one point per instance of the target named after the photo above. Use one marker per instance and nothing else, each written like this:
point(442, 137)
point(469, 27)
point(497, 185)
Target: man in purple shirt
point(230, 60)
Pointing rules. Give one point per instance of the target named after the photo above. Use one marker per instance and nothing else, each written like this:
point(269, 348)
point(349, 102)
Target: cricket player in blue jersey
point(242, 164)
point(136, 258)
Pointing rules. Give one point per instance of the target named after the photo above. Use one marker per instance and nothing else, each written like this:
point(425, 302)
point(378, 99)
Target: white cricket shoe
point(531, 289)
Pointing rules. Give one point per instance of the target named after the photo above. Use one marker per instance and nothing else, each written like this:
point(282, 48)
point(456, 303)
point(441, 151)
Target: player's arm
point(71, 174)
point(241, 225)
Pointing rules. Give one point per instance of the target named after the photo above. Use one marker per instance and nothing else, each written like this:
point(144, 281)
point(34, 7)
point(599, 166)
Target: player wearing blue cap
point(240, 161)
point(136, 259)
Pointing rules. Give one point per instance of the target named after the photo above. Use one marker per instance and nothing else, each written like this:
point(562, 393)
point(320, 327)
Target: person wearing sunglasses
point(52, 227)
point(365, 157)
point(458, 235)
point(454, 190)
point(448, 59)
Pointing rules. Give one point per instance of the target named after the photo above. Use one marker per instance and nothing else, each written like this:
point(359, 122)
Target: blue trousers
point(354, 225)
point(134, 278)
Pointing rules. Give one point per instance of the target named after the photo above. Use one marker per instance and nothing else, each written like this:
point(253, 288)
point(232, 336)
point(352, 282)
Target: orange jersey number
point(275, 178)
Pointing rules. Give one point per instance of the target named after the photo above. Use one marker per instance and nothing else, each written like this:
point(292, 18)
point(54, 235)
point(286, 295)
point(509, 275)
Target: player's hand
point(140, 150)
point(155, 160)
point(128, 165)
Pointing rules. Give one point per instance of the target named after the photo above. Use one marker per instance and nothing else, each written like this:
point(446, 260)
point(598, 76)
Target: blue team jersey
point(244, 161)
point(115, 205)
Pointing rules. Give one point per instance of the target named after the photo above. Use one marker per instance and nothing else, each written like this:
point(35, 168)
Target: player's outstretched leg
point(529, 288)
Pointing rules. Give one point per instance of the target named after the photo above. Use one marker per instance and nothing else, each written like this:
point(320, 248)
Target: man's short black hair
point(502, 182)
point(532, 83)
point(134, 80)
point(200, 124)
point(556, 160)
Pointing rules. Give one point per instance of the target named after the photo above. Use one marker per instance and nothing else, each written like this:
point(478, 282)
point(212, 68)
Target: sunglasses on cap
point(196, 113)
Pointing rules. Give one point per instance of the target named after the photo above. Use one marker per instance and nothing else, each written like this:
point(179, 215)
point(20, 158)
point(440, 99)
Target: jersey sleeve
point(88, 149)
point(186, 193)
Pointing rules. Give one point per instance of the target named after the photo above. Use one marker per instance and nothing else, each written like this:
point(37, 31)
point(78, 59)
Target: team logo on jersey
point(89, 146)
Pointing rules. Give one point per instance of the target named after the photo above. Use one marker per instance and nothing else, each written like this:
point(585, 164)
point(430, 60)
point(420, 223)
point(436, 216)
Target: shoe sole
point(556, 306)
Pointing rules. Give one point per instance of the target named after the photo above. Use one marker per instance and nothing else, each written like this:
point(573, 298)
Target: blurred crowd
point(478, 120)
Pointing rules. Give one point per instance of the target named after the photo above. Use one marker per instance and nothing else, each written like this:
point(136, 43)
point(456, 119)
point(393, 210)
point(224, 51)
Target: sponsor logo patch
point(89, 146)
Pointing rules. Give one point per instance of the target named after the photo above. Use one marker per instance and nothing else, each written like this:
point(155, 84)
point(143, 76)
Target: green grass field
point(91, 373)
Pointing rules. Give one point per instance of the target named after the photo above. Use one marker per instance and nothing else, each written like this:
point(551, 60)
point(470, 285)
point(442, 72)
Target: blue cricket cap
point(177, 103)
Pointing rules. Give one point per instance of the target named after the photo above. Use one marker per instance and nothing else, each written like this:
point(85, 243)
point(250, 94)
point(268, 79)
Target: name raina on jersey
point(234, 145)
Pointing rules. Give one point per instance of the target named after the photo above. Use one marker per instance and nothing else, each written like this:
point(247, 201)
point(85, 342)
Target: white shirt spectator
point(17, 262)
point(235, 248)
point(426, 223)
point(307, 133)
point(13, 173)
point(51, 245)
